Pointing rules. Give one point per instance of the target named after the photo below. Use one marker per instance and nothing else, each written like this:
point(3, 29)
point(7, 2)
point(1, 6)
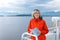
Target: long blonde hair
point(35, 10)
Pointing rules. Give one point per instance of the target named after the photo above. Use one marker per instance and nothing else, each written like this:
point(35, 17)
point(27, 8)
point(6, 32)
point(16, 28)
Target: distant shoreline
point(28, 15)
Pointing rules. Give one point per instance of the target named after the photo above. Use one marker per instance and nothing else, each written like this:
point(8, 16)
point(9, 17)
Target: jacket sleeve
point(29, 27)
point(45, 29)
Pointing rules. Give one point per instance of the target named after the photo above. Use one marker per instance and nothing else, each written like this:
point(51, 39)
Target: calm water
point(11, 28)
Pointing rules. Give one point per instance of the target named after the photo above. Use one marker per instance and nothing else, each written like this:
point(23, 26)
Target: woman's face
point(36, 14)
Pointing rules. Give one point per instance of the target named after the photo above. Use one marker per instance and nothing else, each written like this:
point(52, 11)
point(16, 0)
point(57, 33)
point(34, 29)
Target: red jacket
point(41, 25)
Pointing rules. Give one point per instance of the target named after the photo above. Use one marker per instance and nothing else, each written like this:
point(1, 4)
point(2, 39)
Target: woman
point(38, 22)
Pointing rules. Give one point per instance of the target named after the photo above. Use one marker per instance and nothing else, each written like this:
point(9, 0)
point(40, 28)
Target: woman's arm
point(45, 29)
point(29, 27)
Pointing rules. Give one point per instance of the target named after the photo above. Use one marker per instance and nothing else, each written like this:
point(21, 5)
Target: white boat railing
point(29, 35)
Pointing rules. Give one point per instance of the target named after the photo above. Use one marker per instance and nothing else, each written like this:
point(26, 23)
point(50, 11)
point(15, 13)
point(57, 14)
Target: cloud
point(53, 5)
point(6, 3)
point(26, 6)
point(14, 5)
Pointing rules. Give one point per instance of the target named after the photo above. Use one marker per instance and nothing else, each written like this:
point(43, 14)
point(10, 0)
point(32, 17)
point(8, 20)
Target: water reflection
point(11, 28)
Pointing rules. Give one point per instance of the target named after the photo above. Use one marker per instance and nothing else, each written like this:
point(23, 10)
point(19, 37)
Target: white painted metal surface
point(27, 34)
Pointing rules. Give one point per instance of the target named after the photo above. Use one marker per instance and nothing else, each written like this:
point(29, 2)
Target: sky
point(27, 6)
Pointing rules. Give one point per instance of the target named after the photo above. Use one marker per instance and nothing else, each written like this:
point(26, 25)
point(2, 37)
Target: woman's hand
point(39, 32)
point(31, 31)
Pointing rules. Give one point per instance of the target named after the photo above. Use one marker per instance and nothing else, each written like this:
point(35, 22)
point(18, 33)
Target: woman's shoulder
point(43, 20)
point(32, 19)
